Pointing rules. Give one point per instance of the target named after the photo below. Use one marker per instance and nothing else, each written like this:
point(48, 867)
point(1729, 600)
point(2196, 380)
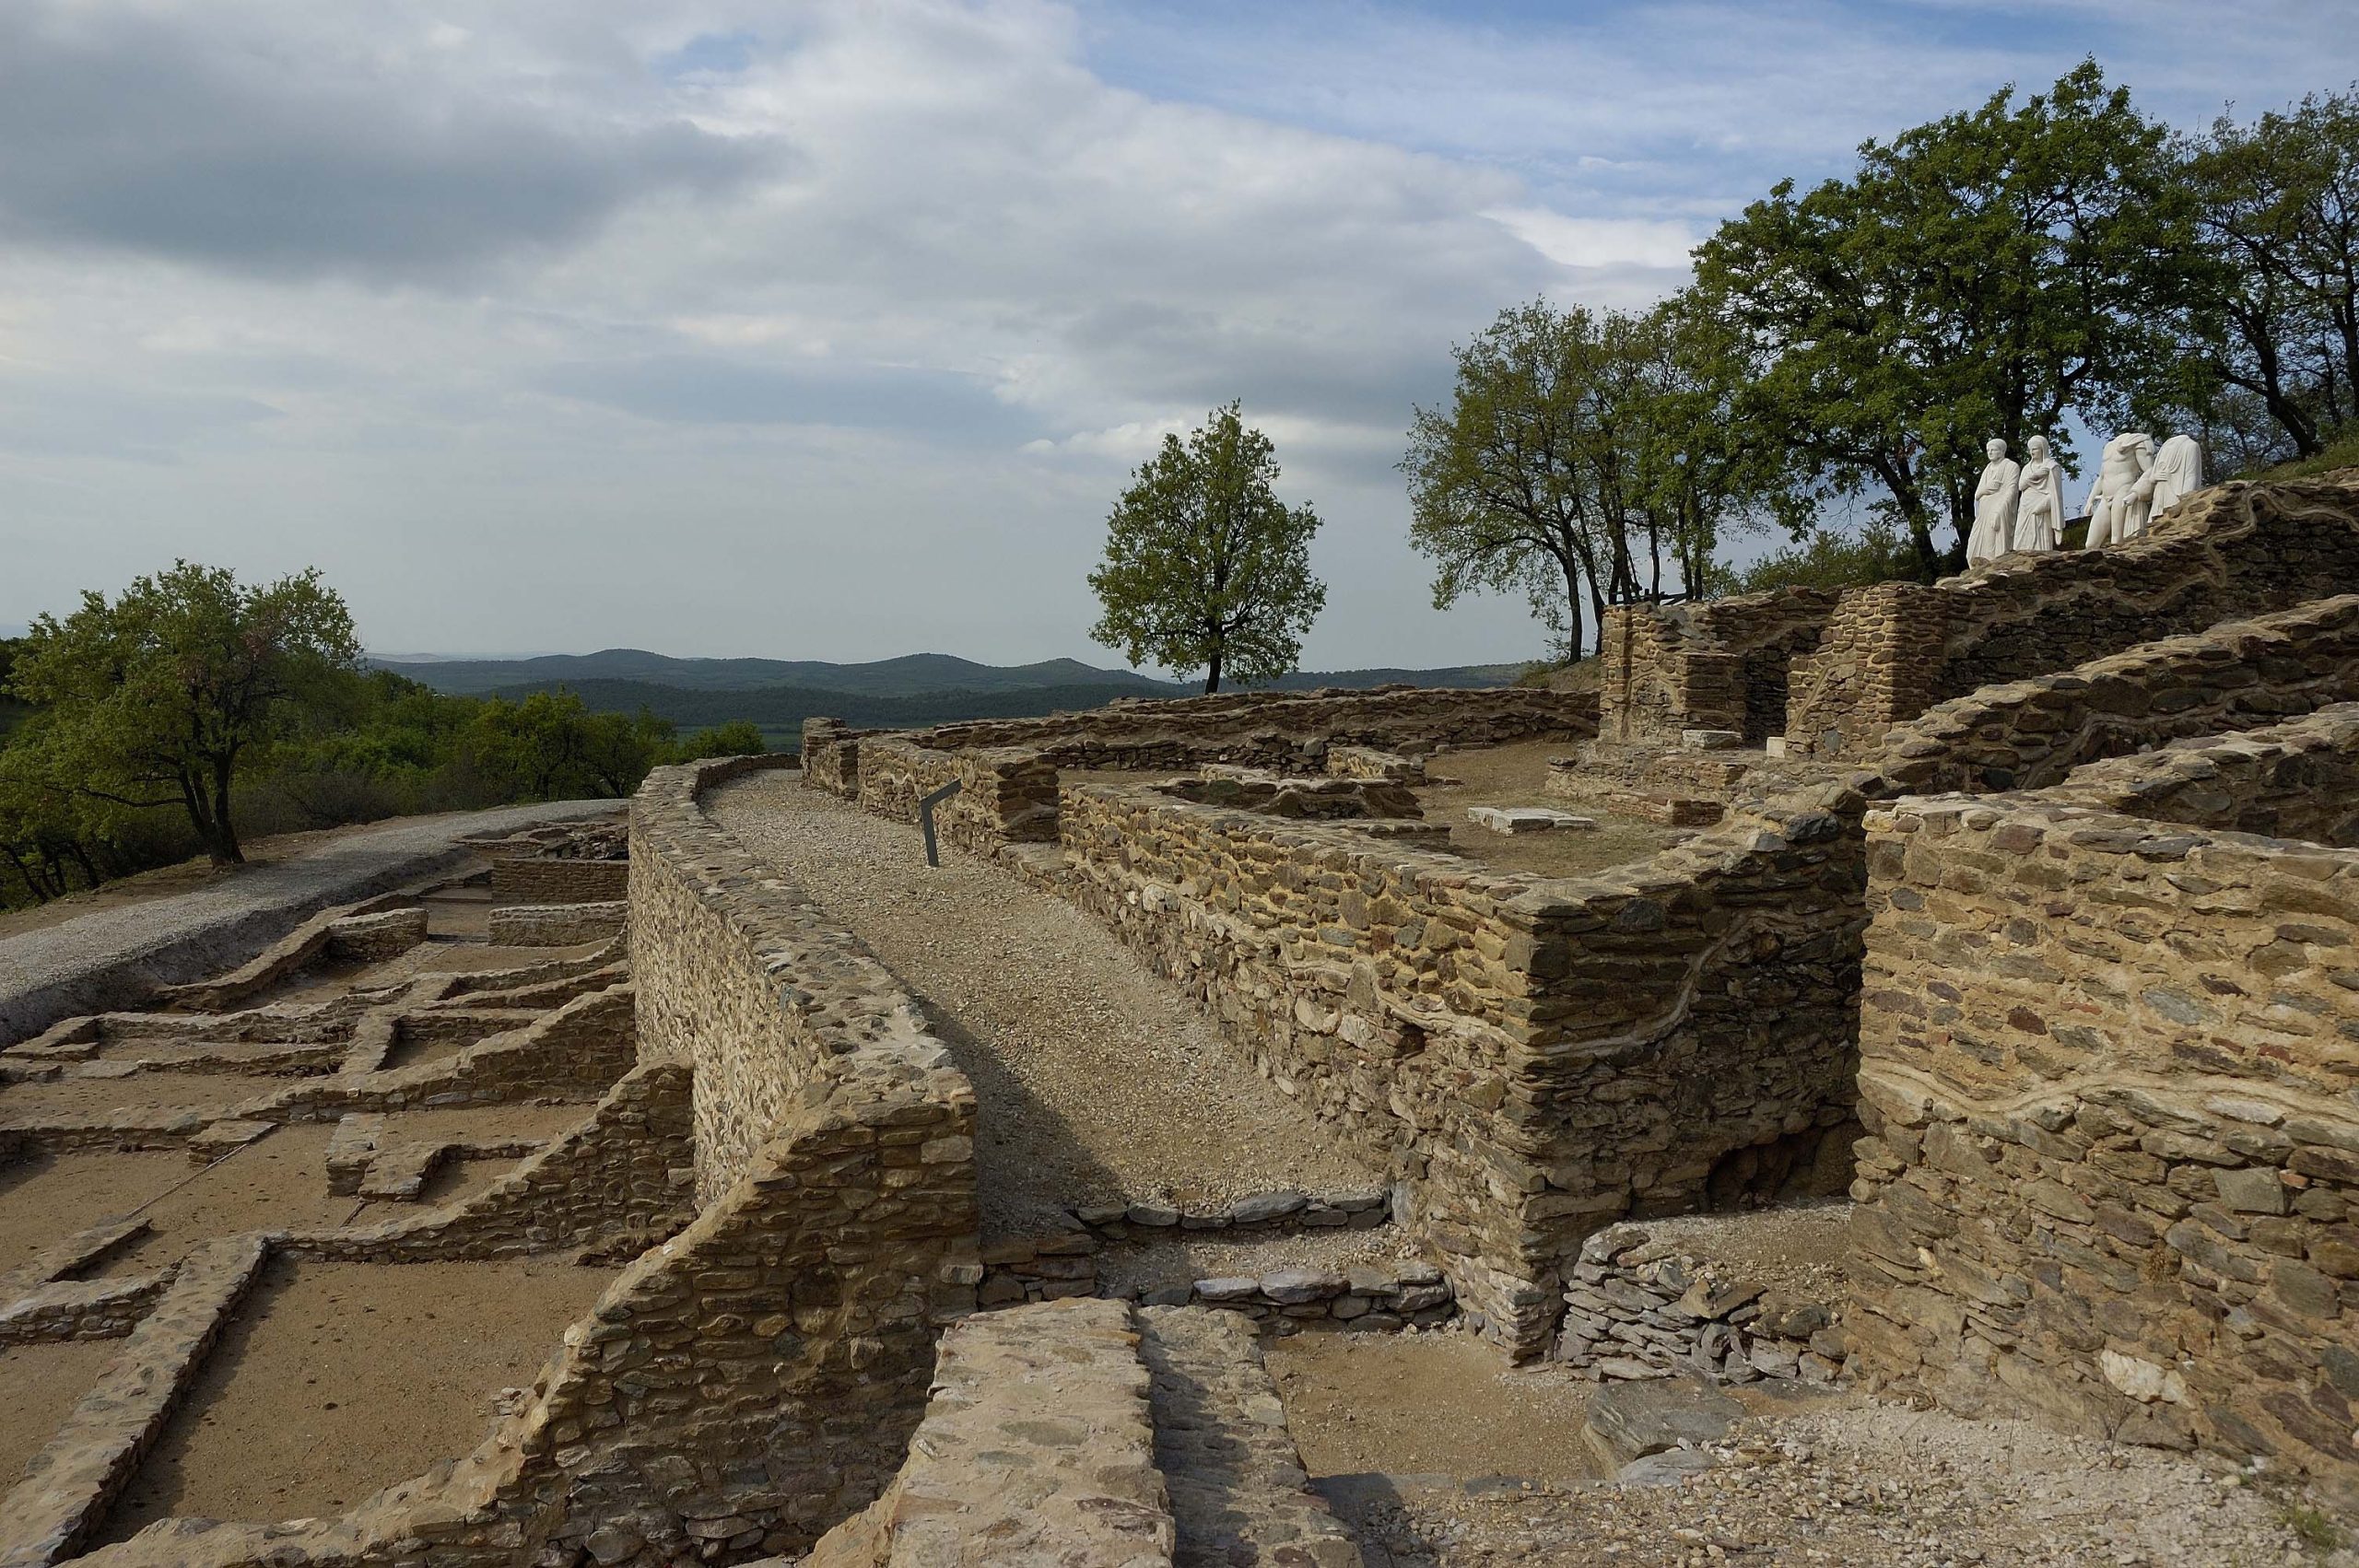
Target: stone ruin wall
point(2109, 1068)
point(1531, 1060)
point(752, 1381)
point(2232, 551)
point(2299, 780)
point(1284, 732)
point(2030, 733)
point(1721, 665)
point(1006, 794)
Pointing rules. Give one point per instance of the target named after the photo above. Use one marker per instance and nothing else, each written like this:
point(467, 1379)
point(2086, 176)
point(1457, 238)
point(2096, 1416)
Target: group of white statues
point(2021, 506)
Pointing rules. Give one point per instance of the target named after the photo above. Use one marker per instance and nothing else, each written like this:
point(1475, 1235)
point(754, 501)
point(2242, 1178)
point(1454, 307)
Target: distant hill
point(927, 676)
point(910, 675)
point(779, 711)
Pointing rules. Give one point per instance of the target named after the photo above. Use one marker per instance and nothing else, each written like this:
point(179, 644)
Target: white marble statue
point(2039, 499)
point(1994, 506)
point(2115, 510)
point(2176, 474)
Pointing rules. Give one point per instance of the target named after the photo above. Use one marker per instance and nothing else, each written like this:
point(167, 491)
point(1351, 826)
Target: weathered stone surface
point(1630, 1421)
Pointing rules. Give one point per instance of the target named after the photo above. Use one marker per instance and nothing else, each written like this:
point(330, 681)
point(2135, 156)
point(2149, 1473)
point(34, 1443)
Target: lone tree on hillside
point(155, 699)
point(1206, 569)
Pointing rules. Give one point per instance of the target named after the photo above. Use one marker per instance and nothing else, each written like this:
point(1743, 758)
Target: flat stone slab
point(1629, 1420)
point(1528, 819)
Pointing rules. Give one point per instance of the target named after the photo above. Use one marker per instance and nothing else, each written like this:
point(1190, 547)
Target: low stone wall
point(627, 1169)
point(1284, 732)
point(2294, 781)
point(2227, 553)
point(2027, 734)
point(534, 880)
point(1055, 1469)
point(554, 925)
point(67, 1486)
point(2108, 1070)
point(1639, 1308)
point(1531, 1059)
point(1005, 795)
point(749, 1382)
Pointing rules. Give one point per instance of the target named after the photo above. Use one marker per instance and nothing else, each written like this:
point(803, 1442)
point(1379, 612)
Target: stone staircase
point(1087, 1431)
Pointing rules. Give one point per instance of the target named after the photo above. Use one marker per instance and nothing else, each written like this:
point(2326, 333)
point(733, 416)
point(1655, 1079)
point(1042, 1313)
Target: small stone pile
point(1640, 1308)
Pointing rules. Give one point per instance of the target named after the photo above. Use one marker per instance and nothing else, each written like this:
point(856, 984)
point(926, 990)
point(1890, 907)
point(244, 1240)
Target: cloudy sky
point(831, 329)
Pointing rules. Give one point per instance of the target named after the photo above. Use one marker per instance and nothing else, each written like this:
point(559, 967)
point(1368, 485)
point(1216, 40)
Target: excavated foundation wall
point(754, 1380)
point(2298, 779)
point(2110, 1068)
point(1006, 795)
point(2030, 733)
point(1723, 665)
point(1286, 731)
point(1529, 1058)
point(2234, 551)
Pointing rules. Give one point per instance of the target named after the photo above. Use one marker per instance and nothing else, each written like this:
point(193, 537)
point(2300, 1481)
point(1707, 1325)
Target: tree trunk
point(1212, 671)
point(222, 844)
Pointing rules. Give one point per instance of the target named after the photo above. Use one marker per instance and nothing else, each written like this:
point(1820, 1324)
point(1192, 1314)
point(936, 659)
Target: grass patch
point(2311, 1526)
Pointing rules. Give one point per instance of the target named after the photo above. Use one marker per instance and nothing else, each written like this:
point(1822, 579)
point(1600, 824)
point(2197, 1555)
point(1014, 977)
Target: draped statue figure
point(2177, 472)
point(1994, 507)
point(2039, 499)
point(2116, 509)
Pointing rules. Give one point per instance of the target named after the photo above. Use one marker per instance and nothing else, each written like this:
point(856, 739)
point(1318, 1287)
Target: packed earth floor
point(1096, 1080)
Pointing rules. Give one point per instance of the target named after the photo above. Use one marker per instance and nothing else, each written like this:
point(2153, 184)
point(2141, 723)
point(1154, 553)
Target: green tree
point(1577, 450)
point(548, 746)
point(1206, 569)
point(2278, 317)
point(739, 737)
point(161, 696)
point(1979, 275)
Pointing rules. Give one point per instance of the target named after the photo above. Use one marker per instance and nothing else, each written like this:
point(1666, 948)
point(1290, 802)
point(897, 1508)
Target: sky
point(833, 329)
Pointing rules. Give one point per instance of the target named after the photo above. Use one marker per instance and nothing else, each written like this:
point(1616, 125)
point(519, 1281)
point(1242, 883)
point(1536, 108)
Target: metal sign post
point(926, 819)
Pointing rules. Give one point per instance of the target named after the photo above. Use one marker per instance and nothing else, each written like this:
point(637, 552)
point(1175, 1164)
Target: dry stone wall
point(2231, 552)
point(1284, 732)
point(1721, 665)
point(1531, 1059)
point(1006, 795)
point(552, 881)
point(2298, 779)
point(2109, 1070)
point(753, 1381)
point(2030, 733)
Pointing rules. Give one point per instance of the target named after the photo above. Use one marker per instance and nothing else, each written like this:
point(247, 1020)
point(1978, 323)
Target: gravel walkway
point(110, 957)
point(1097, 1079)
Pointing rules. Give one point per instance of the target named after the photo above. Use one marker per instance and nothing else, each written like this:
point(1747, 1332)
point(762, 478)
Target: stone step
point(1239, 1493)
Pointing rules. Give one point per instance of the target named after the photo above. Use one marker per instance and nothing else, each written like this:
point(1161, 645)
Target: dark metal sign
point(925, 818)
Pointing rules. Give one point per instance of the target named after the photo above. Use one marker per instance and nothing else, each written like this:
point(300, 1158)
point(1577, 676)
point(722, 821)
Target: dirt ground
point(336, 1379)
point(1513, 776)
point(1798, 1248)
point(138, 1091)
point(37, 1385)
point(43, 1202)
point(1442, 1404)
point(277, 1183)
point(1096, 1079)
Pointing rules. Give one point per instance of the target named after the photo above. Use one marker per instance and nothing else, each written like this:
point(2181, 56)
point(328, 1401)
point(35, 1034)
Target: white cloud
point(830, 329)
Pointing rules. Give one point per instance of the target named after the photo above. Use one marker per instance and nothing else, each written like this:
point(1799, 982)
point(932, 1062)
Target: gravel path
point(1096, 1080)
point(110, 957)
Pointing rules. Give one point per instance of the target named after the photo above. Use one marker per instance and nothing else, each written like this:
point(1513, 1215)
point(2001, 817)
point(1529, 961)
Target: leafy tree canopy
point(1206, 569)
point(160, 695)
point(1978, 276)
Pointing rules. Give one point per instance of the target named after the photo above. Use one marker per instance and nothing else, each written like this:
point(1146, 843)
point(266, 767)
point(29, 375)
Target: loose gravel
point(1853, 1483)
point(1097, 1081)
